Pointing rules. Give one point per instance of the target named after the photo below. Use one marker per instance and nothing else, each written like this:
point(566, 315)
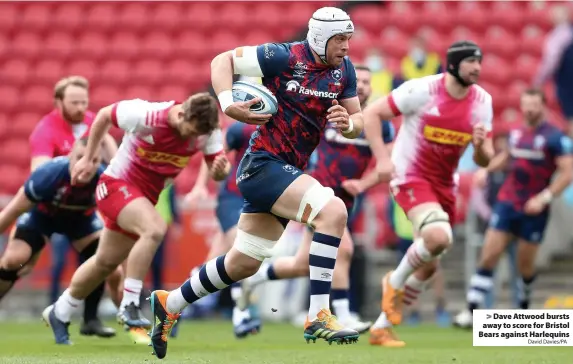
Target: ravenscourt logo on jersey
point(294, 86)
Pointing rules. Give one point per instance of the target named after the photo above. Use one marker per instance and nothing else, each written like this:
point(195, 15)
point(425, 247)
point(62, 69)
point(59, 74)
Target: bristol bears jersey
point(237, 139)
point(339, 159)
point(533, 152)
point(304, 90)
point(49, 187)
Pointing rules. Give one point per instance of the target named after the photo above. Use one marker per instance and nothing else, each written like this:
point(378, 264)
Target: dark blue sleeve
point(273, 58)
point(350, 89)
point(559, 145)
point(234, 136)
point(396, 82)
point(388, 131)
point(173, 204)
point(42, 184)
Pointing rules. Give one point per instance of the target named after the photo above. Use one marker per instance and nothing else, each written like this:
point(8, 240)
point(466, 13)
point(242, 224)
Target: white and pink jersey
point(151, 154)
point(436, 129)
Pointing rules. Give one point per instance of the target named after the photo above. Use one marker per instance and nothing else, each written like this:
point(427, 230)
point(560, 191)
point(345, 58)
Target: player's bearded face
point(470, 69)
point(74, 104)
point(363, 85)
point(532, 108)
point(337, 48)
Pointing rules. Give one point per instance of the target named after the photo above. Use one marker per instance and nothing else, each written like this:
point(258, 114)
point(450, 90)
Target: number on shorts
point(125, 192)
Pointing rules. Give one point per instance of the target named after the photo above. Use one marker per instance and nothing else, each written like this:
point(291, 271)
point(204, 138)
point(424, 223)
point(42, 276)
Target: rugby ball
point(245, 91)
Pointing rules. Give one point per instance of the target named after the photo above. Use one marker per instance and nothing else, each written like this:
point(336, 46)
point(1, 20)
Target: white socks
point(131, 292)
point(382, 322)
point(66, 306)
point(416, 256)
point(176, 302)
point(342, 309)
point(261, 276)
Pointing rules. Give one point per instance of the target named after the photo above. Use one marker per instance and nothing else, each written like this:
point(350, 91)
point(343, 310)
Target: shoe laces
point(331, 322)
point(168, 323)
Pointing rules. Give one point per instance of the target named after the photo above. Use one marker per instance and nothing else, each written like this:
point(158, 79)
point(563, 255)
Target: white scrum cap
point(325, 24)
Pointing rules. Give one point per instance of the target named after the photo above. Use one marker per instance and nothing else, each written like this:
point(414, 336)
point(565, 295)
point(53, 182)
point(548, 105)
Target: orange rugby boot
point(164, 322)
point(385, 337)
point(392, 301)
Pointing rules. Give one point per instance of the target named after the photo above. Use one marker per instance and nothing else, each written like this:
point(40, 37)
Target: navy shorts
point(262, 178)
point(228, 211)
point(74, 229)
point(507, 218)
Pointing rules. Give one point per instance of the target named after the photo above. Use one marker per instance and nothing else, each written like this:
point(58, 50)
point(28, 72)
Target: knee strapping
point(313, 201)
point(434, 218)
point(8, 275)
point(253, 246)
point(89, 251)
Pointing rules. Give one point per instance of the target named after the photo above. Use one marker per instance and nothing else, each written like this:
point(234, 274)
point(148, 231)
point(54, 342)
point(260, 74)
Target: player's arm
point(562, 148)
point(498, 162)
point(109, 148)
point(484, 153)
point(266, 60)
point(351, 104)
point(482, 138)
point(41, 147)
point(215, 158)
point(16, 207)
point(372, 178)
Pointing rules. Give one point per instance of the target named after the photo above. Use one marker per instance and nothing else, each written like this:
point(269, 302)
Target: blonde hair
point(62, 85)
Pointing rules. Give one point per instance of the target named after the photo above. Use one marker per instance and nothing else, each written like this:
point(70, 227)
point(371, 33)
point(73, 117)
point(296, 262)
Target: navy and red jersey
point(339, 159)
point(49, 187)
point(237, 139)
point(533, 152)
point(304, 90)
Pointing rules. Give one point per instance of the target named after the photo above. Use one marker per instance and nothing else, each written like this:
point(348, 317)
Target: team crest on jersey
point(299, 70)
point(337, 75)
point(538, 142)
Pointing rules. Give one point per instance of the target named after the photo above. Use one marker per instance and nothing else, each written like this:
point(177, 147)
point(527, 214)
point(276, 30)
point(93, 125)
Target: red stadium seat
point(22, 125)
point(202, 15)
point(167, 16)
point(394, 42)
point(58, 45)
point(298, 13)
point(499, 42)
point(25, 45)
point(532, 41)
point(473, 15)
point(4, 126)
point(495, 70)
point(9, 98)
point(510, 116)
point(133, 16)
point(8, 16)
point(140, 91)
point(92, 46)
point(177, 93)
point(436, 15)
point(538, 13)
point(124, 45)
point(18, 150)
point(368, 17)
point(85, 68)
point(101, 16)
point(526, 67)
point(48, 71)
point(157, 46)
point(11, 178)
point(235, 16)
point(15, 72)
point(148, 71)
point(104, 95)
point(36, 98)
point(69, 17)
point(181, 71)
point(506, 14)
point(224, 41)
point(115, 72)
point(36, 17)
point(266, 14)
point(513, 92)
point(191, 45)
point(402, 15)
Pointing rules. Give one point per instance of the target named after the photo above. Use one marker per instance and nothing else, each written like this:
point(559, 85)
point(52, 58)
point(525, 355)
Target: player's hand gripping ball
point(253, 103)
point(338, 116)
point(479, 135)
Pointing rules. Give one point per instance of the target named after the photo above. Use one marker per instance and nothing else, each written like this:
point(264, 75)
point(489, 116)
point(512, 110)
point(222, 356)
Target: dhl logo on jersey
point(446, 136)
point(159, 157)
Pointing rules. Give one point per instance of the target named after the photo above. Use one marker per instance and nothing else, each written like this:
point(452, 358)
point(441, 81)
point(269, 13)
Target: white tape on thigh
point(434, 218)
point(253, 246)
point(314, 200)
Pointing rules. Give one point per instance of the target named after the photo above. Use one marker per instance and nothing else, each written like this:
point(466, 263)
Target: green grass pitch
point(213, 342)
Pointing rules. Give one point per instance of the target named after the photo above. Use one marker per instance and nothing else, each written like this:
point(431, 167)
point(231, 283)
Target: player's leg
point(60, 246)
point(113, 249)
point(86, 247)
point(24, 243)
point(439, 287)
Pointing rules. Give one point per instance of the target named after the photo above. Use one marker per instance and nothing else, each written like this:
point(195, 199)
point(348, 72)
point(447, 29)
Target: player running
point(443, 114)
point(340, 165)
point(159, 141)
point(47, 204)
point(536, 152)
point(315, 83)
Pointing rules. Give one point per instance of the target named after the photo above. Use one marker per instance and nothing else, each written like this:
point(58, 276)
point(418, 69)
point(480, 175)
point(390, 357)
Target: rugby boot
point(464, 320)
point(164, 322)
point(392, 301)
point(59, 328)
point(247, 326)
point(385, 337)
point(175, 330)
point(96, 328)
point(131, 316)
point(139, 335)
point(326, 327)
point(355, 324)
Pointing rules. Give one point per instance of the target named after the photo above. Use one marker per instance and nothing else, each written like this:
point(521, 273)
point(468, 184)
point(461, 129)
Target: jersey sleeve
point(409, 97)
point(133, 115)
point(488, 114)
point(43, 182)
point(388, 131)
point(350, 89)
point(41, 144)
point(273, 58)
point(234, 136)
point(214, 145)
point(560, 145)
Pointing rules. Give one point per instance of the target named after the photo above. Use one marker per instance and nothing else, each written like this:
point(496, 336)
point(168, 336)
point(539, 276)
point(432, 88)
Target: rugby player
point(54, 136)
point(314, 83)
point(47, 204)
point(443, 114)
point(159, 141)
point(340, 165)
point(536, 152)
